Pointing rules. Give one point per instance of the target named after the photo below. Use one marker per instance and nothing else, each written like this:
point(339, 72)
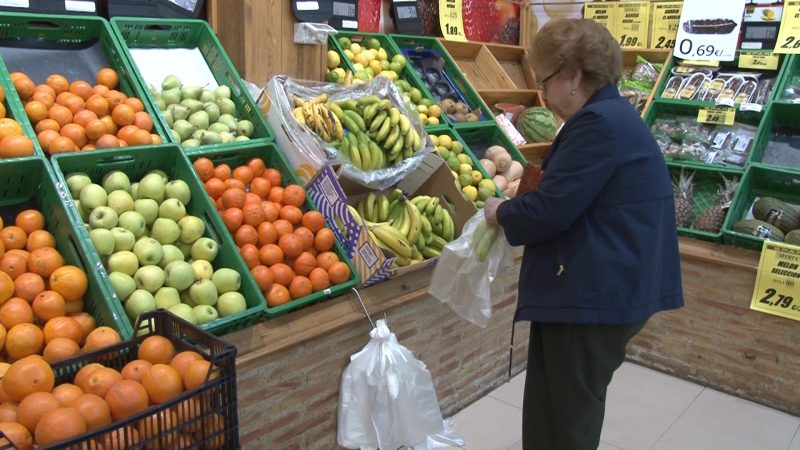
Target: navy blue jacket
point(599, 231)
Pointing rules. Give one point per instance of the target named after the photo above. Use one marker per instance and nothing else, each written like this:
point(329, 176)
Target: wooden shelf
point(516, 62)
point(479, 65)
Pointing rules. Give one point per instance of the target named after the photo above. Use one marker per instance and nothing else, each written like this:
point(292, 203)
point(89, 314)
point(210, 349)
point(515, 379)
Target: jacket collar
point(606, 92)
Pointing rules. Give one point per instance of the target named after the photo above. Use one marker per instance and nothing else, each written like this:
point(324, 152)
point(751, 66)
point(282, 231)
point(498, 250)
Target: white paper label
point(751, 107)
point(352, 24)
point(725, 102)
point(79, 5)
point(16, 3)
point(307, 6)
point(709, 29)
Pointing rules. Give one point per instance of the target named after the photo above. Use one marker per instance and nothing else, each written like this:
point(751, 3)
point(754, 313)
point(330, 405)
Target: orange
point(17, 434)
point(182, 360)
point(135, 103)
point(8, 412)
point(123, 115)
point(136, 369)
point(273, 176)
point(48, 304)
point(61, 144)
point(101, 337)
point(156, 349)
point(33, 407)
point(140, 137)
point(283, 227)
point(36, 111)
point(15, 146)
point(99, 89)
point(25, 87)
point(319, 279)
point(233, 198)
point(291, 214)
point(260, 187)
point(46, 137)
point(313, 220)
point(339, 272)
point(300, 287)
point(162, 383)
point(282, 273)
point(66, 393)
point(45, 98)
point(323, 241)
point(276, 194)
point(126, 398)
point(58, 425)
point(10, 127)
point(98, 105)
point(45, 88)
point(39, 239)
point(62, 326)
point(204, 168)
point(291, 245)
point(94, 409)
point(294, 195)
point(28, 285)
point(75, 133)
point(60, 348)
point(74, 306)
point(94, 129)
point(73, 103)
point(267, 234)
point(81, 88)
point(253, 213)
point(85, 320)
point(107, 77)
point(236, 183)
point(250, 255)
point(60, 114)
point(100, 381)
point(14, 264)
point(83, 117)
point(6, 287)
point(246, 234)
point(84, 372)
point(263, 277)
point(120, 438)
point(257, 166)
point(58, 83)
point(23, 340)
point(306, 236)
point(107, 141)
point(277, 295)
point(114, 98)
point(222, 171)
point(270, 254)
point(304, 264)
point(271, 211)
point(162, 424)
point(196, 374)
point(215, 187)
point(244, 174)
point(143, 121)
point(232, 218)
point(13, 237)
point(46, 124)
point(28, 375)
point(15, 311)
point(69, 281)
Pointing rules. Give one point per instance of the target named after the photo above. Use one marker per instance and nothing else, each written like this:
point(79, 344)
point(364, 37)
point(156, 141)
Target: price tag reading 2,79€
point(777, 289)
point(709, 29)
point(789, 34)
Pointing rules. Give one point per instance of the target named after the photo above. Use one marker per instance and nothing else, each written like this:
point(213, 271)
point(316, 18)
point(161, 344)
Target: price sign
point(631, 24)
point(666, 17)
point(758, 60)
point(777, 289)
point(602, 13)
point(451, 21)
point(717, 116)
point(789, 34)
point(709, 29)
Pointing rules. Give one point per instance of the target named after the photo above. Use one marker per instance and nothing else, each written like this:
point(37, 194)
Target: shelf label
point(666, 17)
point(602, 13)
point(717, 116)
point(631, 24)
point(755, 107)
point(758, 60)
point(777, 289)
point(451, 21)
point(709, 29)
point(701, 62)
point(789, 34)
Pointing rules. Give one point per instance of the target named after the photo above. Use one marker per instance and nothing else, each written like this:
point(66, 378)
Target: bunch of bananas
point(379, 134)
point(414, 230)
point(483, 239)
point(317, 115)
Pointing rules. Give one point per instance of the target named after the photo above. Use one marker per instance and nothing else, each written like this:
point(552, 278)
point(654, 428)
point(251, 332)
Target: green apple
point(152, 186)
point(165, 231)
point(161, 173)
point(172, 208)
point(76, 181)
point(167, 297)
point(179, 275)
point(192, 228)
point(203, 292)
point(124, 261)
point(92, 196)
point(138, 302)
point(123, 239)
point(171, 253)
point(204, 248)
point(148, 251)
point(226, 280)
point(222, 92)
point(103, 217)
point(81, 212)
point(103, 241)
point(178, 189)
point(133, 222)
point(120, 201)
point(185, 248)
point(231, 303)
point(183, 311)
point(116, 180)
point(204, 314)
point(148, 208)
point(122, 283)
point(150, 278)
point(186, 299)
point(203, 270)
point(134, 191)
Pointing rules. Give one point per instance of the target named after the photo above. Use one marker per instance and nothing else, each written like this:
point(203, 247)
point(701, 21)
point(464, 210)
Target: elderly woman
point(601, 251)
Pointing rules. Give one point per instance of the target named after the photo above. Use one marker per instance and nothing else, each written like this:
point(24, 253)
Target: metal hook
point(364, 307)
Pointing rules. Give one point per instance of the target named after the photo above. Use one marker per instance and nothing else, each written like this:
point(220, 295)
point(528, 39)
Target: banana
point(308, 114)
point(415, 225)
point(297, 101)
point(376, 124)
point(395, 195)
point(427, 230)
point(348, 104)
point(396, 242)
point(394, 113)
point(408, 152)
point(357, 119)
point(362, 213)
point(416, 254)
point(336, 110)
point(433, 202)
point(384, 130)
point(372, 213)
point(321, 98)
point(356, 215)
point(437, 242)
point(338, 130)
point(348, 78)
point(448, 227)
point(438, 214)
point(402, 261)
point(383, 208)
point(421, 201)
point(485, 242)
point(403, 225)
point(405, 124)
point(384, 104)
point(370, 112)
point(368, 100)
point(437, 228)
point(298, 115)
point(376, 155)
point(429, 252)
point(398, 145)
point(388, 144)
point(363, 151)
point(350, 124)
point(344, 148)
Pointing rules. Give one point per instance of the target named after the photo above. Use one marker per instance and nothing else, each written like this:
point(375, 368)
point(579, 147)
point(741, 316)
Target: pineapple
point(711, 219)
point(684, 198)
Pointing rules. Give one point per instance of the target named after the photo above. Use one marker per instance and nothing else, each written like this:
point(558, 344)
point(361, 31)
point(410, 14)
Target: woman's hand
point(490, 209)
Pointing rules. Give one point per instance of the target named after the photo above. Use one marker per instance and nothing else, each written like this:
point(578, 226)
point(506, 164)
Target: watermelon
point(537, 124)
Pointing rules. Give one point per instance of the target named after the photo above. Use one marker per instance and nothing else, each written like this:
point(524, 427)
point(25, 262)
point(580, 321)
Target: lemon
point(464, 158)
point(333, 59)
point(465, 169)
point(355, 48)
point(435, 140)
point(446, 141)
point(470, 192)
point(350, 55)
point(432, 121)
point(382, 55)
point(375, 66)
point(477, 177)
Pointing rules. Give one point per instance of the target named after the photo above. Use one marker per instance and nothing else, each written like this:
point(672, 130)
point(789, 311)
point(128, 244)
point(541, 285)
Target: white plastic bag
point(467, 266)
point(387, 398)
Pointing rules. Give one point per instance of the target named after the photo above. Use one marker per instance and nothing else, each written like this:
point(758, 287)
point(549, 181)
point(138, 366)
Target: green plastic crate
point(15, 109)
point(406, 43)
point(169, 158)
point(778, 115)
point(177, 33)
point(29, 183)
point(438, 131)
point(759, 181)
point(789, 69)
point(707, 181)
point(274, 157)
point(74, 46)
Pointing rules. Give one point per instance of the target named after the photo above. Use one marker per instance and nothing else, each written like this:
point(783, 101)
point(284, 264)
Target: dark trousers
point(569, 368)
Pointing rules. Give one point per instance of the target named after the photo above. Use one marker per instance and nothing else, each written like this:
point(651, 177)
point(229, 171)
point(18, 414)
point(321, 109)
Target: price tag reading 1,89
point(777, 289)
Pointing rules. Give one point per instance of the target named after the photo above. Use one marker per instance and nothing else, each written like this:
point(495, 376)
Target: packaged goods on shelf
point(638, 83)
point(683, 138)
point(731, 85)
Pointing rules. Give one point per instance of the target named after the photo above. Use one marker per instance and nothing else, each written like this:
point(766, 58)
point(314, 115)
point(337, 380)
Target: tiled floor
point(645, 409)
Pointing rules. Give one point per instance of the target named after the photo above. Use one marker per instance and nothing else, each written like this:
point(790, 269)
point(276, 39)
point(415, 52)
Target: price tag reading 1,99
point(789, 34)
point(777, 289)
point(631, 24)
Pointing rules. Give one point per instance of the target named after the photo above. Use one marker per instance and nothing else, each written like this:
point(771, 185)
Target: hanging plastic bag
point(467, 267)
point(387, 399)
point(448, 438)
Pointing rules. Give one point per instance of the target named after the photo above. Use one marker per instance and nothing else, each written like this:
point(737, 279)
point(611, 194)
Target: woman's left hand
point(490, 209)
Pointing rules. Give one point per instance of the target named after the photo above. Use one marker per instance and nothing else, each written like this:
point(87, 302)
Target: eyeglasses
point(547, 78)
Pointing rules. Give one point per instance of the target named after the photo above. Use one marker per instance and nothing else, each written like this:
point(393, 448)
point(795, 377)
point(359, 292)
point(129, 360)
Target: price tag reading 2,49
point(777, 289)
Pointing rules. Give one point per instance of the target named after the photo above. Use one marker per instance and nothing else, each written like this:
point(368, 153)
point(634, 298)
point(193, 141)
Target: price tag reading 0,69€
point(709, 29)
point(666, 18)
point(789, 34)
point(630, 26)
point(777, 289)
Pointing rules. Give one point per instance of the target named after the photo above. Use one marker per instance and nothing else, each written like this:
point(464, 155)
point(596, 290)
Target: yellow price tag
point(758, 60)
point(717, 116)
point(666, 18)
point(631, 24)
point(789, 34)
point(451, 21)
point(777, 289)
point(602, 13)
point(701, 62)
